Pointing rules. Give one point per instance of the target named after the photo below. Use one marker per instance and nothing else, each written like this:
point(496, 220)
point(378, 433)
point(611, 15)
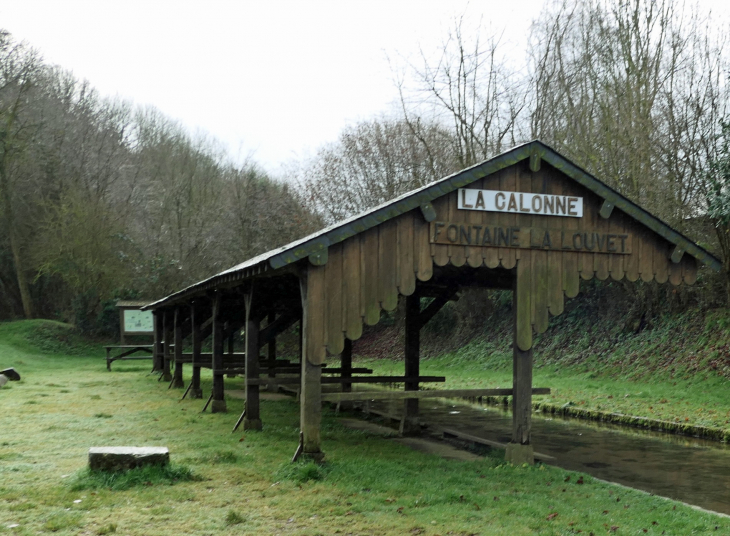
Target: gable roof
point(315, 245)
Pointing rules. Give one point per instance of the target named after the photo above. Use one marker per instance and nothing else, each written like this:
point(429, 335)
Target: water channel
point(691, 470)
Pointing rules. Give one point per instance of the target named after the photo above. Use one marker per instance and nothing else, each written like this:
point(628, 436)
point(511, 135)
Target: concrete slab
point(124, 458)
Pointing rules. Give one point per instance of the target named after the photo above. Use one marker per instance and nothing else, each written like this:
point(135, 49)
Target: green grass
point(245, 483)
point(141, 476)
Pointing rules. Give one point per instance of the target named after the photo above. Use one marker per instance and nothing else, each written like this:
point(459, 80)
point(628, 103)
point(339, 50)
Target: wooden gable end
point(550, 255)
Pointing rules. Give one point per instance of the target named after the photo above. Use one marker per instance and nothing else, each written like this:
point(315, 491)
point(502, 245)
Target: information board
point(136, 321)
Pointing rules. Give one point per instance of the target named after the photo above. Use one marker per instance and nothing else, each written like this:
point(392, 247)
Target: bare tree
point(19, 67)
point(631, 90)
point(373, 162)
point(471, 90)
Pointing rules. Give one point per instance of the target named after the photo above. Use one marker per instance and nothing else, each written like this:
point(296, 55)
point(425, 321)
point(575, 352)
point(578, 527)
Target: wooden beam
point(219, 401)
point(431, 393)
point(346, 365)
point(271, 346)
point(177, 377)
point(252, 420)
point(428, 212)
point(167, 330)
point(677, 254)
point(458, 434)
point(354, 379)
point(195, 316)
point(310, 399)
point(535, 160)
point(320, 257)
point(409, 424)
point(434, 307)
point(606, 209)
point(158, 355)
point(521, 375)
point(276, 327)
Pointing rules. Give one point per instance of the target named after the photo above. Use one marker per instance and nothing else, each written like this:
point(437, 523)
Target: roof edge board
point(635, 211)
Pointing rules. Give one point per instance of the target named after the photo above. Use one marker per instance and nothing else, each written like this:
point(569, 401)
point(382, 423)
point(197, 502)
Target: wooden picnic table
point(126, 353)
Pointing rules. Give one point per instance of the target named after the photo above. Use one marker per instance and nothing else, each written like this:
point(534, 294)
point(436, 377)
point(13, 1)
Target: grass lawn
point(244, 482)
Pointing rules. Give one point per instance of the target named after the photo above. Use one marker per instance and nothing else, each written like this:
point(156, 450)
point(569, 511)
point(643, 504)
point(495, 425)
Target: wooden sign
point(136, 321)
point(520, 203)
point(464, 234)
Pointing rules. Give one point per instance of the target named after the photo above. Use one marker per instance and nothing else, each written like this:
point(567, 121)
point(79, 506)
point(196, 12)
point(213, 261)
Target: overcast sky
point(275, 78)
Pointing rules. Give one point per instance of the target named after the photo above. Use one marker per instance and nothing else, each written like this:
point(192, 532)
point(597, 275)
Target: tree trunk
point(7, 205)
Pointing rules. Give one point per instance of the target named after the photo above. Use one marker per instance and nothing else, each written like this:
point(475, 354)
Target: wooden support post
point(177, 377)
point(310, 395)
point(195, 321)
point(228, 328)
point(520, 450)
point(167, 346)
point(219, 401)
point(252, 420)
point(271, 348)
point(409, 424)
point(346, 365)
point(158, 355)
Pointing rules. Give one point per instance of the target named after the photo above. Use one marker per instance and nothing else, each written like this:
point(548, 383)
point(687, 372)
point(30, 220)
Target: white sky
point(271, 78)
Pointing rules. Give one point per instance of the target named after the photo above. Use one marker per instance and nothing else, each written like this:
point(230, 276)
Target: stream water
point(692, 470)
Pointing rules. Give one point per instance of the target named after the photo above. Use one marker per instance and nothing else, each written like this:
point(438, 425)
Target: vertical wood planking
point(351, 313)
point(616, 262)
point(556, 298)
point(492, 219)
point(422, 248)
point(689, 269)
point(406, 263)
point(631, 263)
point(315, 350)
point(600, 260)
point(388, 265)
point(661, 259)
point(474, 218)
point(490, 256)
point(334, 333)
point(539, 300)
point(457, 254)
point(585, 260)
point(675, 273)
point(440, 252)
point(571, 271)
point(508, 180)
point(646, 255)
point(523, 306)
point(369, 303)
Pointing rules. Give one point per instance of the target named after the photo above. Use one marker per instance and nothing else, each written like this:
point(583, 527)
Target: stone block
point(123, 458)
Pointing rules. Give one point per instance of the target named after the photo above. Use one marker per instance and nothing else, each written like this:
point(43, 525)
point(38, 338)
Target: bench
point(126, 353)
